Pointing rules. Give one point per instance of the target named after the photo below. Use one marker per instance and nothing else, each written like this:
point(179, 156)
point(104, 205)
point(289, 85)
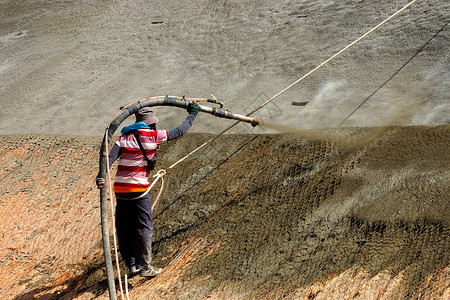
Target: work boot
point(133, 270)
point(150, 272)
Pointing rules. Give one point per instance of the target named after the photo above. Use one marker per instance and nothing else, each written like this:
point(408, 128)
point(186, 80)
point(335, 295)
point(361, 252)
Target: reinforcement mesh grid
point(264, 217)
point(50, 213)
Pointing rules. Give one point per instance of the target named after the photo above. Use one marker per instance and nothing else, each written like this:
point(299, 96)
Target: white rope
point(126, 285)
point(158, 175)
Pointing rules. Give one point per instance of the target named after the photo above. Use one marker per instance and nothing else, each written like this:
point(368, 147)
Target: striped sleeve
point(161, 136)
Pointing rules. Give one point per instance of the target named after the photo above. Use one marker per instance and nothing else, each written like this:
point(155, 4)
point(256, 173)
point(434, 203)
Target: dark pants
point(134, 226)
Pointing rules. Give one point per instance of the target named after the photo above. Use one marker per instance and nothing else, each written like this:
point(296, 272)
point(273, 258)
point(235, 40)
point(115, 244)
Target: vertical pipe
point(105, 227)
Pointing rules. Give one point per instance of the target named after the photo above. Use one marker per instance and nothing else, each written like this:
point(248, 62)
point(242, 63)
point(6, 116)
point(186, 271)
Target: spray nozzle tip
point(255, 122)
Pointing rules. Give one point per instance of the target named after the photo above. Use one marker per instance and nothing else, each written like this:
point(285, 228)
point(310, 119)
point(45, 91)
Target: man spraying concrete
point(136, 149)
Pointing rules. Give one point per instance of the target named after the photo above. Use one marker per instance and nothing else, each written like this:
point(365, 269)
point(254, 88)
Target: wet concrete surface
point(67, 66)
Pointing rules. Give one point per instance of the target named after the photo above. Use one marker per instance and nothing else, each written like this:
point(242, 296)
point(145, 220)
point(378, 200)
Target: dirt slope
point(332, 214)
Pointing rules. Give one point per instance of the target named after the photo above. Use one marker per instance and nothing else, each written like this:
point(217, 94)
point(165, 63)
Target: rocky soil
point(332, 214)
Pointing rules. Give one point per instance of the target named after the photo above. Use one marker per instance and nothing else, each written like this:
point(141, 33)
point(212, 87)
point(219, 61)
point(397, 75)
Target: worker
point(134, 221)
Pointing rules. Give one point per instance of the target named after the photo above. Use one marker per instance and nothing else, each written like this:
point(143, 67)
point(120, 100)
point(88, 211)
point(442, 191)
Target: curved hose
point(176, 102)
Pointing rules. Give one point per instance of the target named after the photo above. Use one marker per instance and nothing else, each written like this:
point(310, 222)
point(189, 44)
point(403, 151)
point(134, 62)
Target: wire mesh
point(265, 217)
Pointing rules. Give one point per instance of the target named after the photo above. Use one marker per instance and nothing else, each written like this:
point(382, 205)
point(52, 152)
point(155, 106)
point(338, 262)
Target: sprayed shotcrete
point(183, 103)
point(124, 113)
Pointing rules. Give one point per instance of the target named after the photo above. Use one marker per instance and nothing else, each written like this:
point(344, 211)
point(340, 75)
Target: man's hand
point(193, 108)
point(100, 182)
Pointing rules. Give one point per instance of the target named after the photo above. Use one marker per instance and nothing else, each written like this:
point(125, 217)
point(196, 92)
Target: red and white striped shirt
point(132, 171)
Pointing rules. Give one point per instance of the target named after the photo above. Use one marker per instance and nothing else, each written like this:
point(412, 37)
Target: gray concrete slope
point(66, 67)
